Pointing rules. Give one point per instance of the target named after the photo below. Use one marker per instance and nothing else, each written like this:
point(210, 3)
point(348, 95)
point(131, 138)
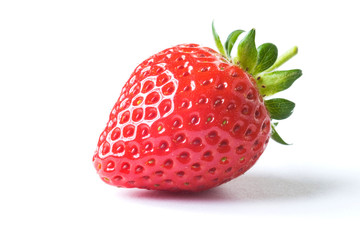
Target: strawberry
point(190, 118)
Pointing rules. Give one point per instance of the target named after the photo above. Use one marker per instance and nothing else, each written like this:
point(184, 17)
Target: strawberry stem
point(260, 63)
point(283, 58)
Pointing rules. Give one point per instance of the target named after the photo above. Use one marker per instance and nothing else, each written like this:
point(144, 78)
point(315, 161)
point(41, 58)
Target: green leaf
point(279, 108)
point(217, 41)
point(274, 82)
point(276, 137)
point(267, 55)
point(231, 40)
point(247, 53)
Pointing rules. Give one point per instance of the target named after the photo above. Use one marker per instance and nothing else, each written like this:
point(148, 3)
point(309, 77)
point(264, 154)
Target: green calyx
point(261, 63)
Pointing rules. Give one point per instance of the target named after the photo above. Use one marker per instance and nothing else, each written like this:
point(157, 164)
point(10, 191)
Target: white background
point(62, 66)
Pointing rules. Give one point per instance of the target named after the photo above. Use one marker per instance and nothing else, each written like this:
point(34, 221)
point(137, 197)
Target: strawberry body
point(186, 120)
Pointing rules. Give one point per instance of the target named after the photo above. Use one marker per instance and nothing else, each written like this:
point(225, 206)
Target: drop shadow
point(215, 194)
point(248, 188)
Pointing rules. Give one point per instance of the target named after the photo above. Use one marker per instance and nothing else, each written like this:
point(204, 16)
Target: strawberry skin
point(186, 120)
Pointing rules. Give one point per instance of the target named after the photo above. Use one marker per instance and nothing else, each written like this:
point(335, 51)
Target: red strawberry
point(190, 118)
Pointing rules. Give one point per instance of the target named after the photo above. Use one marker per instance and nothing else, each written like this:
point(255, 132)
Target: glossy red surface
point(187, 119)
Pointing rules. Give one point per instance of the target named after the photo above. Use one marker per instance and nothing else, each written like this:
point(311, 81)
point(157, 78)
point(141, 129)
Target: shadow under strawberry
point(252, 188)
